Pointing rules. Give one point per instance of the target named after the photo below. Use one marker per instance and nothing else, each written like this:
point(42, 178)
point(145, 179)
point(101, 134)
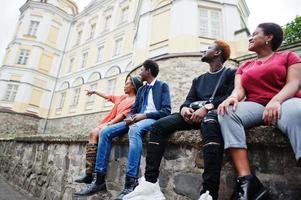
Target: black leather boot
point(98, 185)
point(249, 188)
point(130, 184)
point(85, 178)
point(299, 163)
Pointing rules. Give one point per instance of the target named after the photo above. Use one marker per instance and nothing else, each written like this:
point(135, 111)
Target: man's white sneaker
point(145, 191)
point(206, 196)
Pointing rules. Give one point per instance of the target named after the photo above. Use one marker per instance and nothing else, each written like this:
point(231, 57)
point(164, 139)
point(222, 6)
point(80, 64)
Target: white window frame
point(79, 37)
point(100, 54)
point(118, 47)
point(92, 30)
point(210, 27)
point(107, 22)
point(76, 95)
point(11, 92)
point(124, 14)
point(85, 59)
point(23, 57)
point(62, 100)
point(33, 27)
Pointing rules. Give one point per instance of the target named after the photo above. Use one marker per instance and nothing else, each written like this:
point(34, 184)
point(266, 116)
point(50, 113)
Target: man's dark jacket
point(161, 97)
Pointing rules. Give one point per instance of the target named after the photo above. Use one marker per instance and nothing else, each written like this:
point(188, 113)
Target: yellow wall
point(36, 96)
point(45, 63)
point(160, 25)
point(52, 36)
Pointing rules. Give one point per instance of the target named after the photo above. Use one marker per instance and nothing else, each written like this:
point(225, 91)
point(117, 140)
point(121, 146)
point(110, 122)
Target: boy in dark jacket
point(152, 103)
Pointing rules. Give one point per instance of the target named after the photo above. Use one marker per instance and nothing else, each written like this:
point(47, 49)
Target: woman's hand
point(90, 92)
point(223, 107)
point(272, 112)
point(129, 120)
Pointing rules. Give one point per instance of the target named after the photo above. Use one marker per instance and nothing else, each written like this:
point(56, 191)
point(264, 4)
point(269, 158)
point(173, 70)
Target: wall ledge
point(256, 136)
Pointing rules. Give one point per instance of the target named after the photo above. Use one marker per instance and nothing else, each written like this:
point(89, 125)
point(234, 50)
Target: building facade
point(57, 53)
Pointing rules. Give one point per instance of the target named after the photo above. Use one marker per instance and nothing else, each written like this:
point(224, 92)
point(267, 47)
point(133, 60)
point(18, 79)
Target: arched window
point(64, 85)
point(78, 81)
point(94, 77)
point(115, 70)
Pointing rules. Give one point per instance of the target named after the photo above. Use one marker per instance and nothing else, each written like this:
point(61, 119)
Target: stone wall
point(79, 124)
point(16, 123)
point(45, 165)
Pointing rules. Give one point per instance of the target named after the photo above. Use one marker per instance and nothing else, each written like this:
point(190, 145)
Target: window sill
point(207, 38)
point(30, 36)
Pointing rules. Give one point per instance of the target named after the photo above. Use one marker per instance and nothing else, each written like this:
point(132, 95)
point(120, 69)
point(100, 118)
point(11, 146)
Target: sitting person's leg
point(103, 156)
point(136, 131)
point(160, 131)
point(289, 123)
point(91, 150)
point(247, 115)
point(213, 148)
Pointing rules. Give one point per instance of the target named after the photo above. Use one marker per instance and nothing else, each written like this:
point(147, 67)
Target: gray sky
point(277, 11)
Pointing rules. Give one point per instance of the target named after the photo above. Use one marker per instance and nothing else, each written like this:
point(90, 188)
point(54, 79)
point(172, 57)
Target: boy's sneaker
point(146, 191)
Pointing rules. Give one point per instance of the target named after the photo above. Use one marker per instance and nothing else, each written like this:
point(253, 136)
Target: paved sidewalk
point(8, 192)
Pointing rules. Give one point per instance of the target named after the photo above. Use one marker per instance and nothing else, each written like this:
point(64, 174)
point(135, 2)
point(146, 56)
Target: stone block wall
point(79, 124)
point(46, 166)
point(16, 123)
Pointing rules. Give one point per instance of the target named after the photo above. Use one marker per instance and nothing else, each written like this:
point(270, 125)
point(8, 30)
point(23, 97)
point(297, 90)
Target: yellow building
point(57, 53)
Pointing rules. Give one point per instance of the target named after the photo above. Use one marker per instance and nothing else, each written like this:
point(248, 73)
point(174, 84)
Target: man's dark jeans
point(212, 147)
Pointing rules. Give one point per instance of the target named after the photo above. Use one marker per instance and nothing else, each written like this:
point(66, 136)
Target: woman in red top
point(122, 106)
point(270, 85)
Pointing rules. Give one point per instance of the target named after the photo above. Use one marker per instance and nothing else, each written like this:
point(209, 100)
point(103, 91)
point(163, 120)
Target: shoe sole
point(141, 197)
point(83, 182)
point(88, 195)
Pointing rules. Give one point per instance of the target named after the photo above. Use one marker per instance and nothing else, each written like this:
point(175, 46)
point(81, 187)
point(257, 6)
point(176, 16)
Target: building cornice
point(26, 83)
point(34, 71)
point(50, 7)
point(42, 45)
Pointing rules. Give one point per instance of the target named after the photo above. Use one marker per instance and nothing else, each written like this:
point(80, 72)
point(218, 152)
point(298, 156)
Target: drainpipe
point(137, 21)
point(56, 78)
